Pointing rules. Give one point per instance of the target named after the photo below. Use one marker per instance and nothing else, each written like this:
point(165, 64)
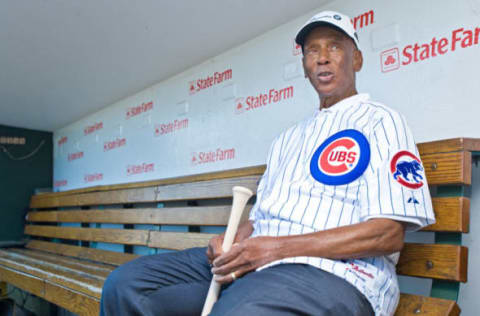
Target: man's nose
point(323, 56)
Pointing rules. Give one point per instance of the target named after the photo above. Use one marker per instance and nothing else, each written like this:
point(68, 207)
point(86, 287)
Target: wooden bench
point(64, 262)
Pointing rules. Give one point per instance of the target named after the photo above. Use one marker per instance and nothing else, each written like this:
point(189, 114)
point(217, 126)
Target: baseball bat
point(240, 198)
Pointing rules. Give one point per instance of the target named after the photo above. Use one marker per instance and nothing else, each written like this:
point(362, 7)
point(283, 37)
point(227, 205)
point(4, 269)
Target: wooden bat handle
point(240, 198)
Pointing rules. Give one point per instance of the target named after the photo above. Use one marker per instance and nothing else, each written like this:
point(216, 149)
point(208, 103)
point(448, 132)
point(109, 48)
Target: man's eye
point(312, 51)
point(334, 47)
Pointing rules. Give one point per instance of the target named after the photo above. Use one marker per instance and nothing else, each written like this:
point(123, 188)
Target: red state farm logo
point(75, 156)
point(119, 142)
point(418, 52)
point(204, 157)
point(93, 177)
point(209, 81)
point(297, 49)
point(60, 183)
point(191, 89)
point(137, 110)
point(263, 99)
point(390, 60)
point(239, 107)
point(93, 128)
point(138, 169)
point(171, 127)
point(62, 141)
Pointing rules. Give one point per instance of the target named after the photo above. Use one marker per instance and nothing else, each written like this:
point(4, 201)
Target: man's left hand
point(244, 257)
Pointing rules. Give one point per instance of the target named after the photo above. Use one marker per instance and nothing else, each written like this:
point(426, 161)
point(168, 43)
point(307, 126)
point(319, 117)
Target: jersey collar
point(346, 103)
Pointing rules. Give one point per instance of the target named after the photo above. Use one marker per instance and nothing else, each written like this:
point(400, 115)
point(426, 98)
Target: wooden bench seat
point(63, 262)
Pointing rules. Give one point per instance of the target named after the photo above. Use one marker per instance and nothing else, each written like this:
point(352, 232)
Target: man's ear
point(357, 60)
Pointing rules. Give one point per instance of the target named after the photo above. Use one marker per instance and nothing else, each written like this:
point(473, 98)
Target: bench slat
point(109, 235)
point(105, 256)
point(448, 168)
point(436, 261)
point(198, 215)
point(82, 266)
point(23, 281)
point(449, 145)
point(71, 300)
point(452, 215)
point(427, 306)
point(178, 241)
point(81, 282)
point(215, 175)
point(175, 192)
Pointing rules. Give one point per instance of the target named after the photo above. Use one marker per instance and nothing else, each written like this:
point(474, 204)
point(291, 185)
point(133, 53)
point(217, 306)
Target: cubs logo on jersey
point(407, 169)
point(341, 158)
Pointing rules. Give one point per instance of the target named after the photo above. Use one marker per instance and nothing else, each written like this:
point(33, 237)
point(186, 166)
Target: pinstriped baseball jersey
point(315, 181)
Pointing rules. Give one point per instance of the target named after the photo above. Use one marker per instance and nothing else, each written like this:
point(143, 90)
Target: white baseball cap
point(338, 20)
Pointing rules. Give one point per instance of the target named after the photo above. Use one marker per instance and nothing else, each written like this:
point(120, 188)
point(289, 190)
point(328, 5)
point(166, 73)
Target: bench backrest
point(199, 203)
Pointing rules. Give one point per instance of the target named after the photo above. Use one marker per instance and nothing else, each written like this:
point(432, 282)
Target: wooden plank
point(76, 302)
point(22, 280)
point(436, 261)
point(448, 168)
point(184, 191)
point(83, 266)
point(109, 235)
point(110, 257)
point(415, 305)
point(178, 241)
point(233, 173)
point(198, 215)
point(452, 215)
point(82, 282)
point(449, 145)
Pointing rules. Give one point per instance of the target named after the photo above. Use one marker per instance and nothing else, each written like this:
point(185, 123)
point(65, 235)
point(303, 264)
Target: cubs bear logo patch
point(341, 158)
point(407, 169)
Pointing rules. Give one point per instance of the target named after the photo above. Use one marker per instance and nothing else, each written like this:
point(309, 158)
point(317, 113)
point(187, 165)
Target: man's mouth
point(325, 76)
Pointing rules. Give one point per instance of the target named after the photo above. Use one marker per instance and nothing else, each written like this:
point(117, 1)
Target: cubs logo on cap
point(407, 169)
point(341, 158)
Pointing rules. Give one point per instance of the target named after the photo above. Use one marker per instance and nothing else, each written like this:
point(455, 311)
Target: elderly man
point(339, 191)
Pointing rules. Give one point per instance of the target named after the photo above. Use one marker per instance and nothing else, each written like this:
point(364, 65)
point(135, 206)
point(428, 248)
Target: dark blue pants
point(177, 284)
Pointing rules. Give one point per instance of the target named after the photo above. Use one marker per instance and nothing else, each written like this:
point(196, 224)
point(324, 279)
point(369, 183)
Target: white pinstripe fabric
point(290, 201)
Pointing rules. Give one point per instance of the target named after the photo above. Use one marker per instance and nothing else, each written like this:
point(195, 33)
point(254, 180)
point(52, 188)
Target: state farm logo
point(62, 141)
point(171, 127)
point(60, 183)
point(204, 157)
point(93, 177)
point(137, 110)
point(297, 49)
point(138, 169)
point(75, 156)
point(263, 99)
point(209, 81)
point(93, 128)
point(390, 60)
point(119, 142)
point(418, 52)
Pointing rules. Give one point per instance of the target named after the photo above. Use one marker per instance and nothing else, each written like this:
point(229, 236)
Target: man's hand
point(215, 245)
point(215, 248)
point(244, 257)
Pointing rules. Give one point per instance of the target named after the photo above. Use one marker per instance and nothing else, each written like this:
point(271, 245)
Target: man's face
point(330, 61)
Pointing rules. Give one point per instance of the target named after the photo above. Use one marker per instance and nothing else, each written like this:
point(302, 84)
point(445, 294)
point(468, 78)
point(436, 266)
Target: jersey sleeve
point(394, 184)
